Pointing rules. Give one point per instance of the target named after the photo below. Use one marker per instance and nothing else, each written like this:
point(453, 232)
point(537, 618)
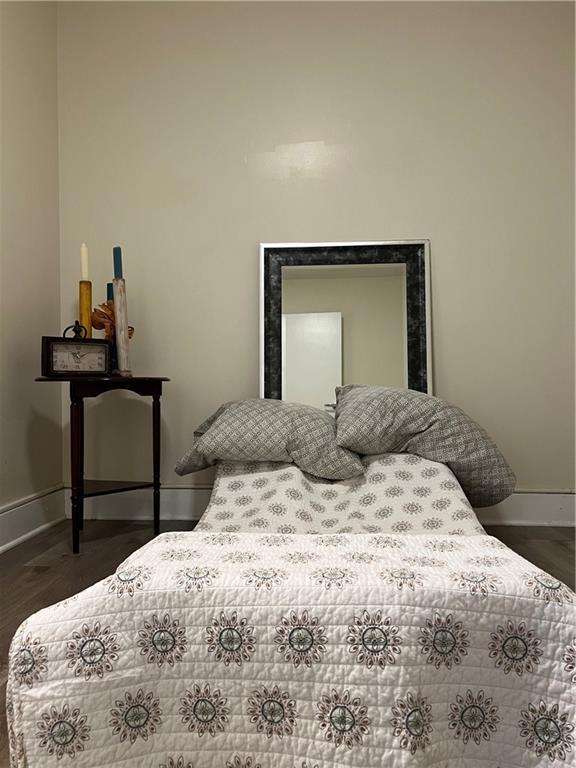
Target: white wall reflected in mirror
point(342, 324)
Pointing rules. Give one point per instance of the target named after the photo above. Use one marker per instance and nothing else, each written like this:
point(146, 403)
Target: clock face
point(78, 358)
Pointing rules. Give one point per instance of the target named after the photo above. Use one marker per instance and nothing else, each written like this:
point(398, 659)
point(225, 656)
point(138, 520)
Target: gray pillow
point(371, 420)
point(273, 430)
point(193, 461)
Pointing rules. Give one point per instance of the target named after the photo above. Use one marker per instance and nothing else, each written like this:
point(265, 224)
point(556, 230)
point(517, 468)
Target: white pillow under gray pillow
point(272, 430)
point(372, 420)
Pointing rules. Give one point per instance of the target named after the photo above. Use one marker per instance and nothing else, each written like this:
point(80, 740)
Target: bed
point(306, 624)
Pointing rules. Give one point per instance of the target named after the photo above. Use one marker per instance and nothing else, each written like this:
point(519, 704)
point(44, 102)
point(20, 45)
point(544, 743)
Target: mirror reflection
point(342, 324)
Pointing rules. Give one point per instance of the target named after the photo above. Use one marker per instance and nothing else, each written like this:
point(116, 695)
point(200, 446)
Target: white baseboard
point(21, 521)
point(531, 509)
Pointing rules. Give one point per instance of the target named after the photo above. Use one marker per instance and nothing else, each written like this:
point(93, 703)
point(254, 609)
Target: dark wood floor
point(43, 570)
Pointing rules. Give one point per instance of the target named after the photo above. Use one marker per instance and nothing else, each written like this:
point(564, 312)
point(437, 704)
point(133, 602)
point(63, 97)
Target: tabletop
point(102, 379)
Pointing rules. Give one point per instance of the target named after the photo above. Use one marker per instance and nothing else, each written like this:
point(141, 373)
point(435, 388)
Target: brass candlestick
point(85, 306)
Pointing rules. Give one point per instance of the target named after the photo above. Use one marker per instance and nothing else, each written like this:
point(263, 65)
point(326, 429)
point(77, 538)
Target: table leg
point(156, 460)
point(76, 468)
point(81, 468)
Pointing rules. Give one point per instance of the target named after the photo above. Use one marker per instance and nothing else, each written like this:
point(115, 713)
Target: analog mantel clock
point(67, 356)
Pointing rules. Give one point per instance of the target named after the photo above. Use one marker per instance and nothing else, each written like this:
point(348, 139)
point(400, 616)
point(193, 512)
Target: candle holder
point(103, 319)
point(85, 306)
point(121, 327)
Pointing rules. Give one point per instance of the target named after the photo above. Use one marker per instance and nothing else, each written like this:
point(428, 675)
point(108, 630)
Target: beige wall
point(373, 319)
point(30, 413)
point(192, 132)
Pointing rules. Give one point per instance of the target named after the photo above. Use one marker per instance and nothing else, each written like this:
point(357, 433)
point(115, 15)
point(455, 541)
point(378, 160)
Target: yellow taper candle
point(85, 306)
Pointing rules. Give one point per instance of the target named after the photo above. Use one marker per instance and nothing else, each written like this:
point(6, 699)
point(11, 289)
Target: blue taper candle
point(117, 254)
point(109, 292)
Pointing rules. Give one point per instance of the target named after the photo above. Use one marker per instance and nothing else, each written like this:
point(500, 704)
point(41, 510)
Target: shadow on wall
point(43, 447)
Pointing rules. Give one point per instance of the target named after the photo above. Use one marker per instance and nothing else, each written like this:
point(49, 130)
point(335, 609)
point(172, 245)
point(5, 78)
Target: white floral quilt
point(267, 650)
point(398, 493)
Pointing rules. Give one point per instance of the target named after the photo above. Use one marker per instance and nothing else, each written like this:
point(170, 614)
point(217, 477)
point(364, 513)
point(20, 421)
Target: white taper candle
point(84, 261)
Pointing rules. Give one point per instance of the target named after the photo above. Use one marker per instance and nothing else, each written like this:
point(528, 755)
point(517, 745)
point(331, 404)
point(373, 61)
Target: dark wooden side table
point(81, 388)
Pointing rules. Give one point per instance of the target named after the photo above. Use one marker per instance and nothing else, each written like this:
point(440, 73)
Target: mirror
point(352, 313)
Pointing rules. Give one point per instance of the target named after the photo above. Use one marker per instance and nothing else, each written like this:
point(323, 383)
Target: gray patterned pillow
point(273, 430)
point(371, 420)
point(193, 461)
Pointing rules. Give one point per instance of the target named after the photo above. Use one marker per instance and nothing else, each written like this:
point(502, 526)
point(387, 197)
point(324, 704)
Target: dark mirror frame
point(415, 254)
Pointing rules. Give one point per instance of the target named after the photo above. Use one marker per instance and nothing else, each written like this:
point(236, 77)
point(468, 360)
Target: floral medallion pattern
point(491, 543)
point(173, 537)
point(444, 641)
point(361, 557)
point(230, 638)
point(300, 558)
point(220, 539)
point(515, 648)
point(241, 557)
point(442, 546)
point(176, 762)
point(331, 540)
point(547, 731)
point(127, 581)
point(195, 579)
point(387, 542)
point(476, 582)
point(92, 651)
point(264, 578)
point(343, 718)
point(403, 578)
point(473, 717)
point(63, 731)
point(432, 523)
point(136, 716)
point(569, 659)
point(162, 640)
point(487, 561)
point(374, 639)
point(277, 540)
point(272, 711)
point(204, 710)
point(29, 661)
point(548, 588)
point(412, 722)
point(179, 555)
point(301, 639)
point(333, 578)
point(425, 562)
point(402, 526)
point(242, 762)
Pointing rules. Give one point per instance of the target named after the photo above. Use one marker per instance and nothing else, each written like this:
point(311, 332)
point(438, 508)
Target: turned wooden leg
point(156, 460)
point(77, 468)
point(81, 467)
